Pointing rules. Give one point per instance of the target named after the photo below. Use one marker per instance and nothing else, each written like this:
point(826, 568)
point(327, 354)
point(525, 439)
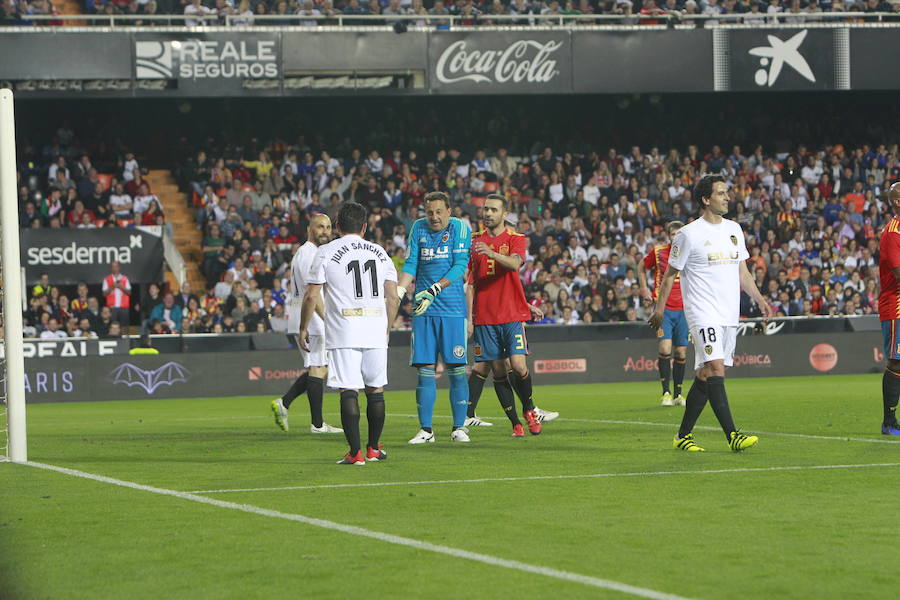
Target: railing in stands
point(831, 19)
point(173, 258)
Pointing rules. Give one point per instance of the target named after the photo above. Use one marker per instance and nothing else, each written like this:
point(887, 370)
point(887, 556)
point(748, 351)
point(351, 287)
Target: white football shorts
point(317, 356)
point(713, 342)
point(356, 368)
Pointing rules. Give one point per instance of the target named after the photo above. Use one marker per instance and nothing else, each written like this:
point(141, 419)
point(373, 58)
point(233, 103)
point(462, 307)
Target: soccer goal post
point(12, 364)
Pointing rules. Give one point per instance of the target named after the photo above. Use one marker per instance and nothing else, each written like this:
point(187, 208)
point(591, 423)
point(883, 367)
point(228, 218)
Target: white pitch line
point(487, 559)
point(703, 427)
point(544, 477)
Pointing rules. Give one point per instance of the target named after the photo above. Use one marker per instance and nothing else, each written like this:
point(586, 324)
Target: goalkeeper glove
point(425, 298)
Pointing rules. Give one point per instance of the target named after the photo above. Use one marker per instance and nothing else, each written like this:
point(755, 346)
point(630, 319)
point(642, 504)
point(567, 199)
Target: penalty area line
point(487, 559)
point(549, 477)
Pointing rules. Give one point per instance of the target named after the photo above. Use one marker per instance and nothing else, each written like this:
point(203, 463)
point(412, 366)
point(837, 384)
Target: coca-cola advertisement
point(502, 63)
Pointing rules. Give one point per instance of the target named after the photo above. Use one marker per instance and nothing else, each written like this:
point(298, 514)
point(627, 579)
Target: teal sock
point(426, 393)
point(459, 395)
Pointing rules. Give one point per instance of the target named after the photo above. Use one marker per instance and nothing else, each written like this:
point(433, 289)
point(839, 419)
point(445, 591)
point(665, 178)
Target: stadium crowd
point(811, 217)
point(242, 13)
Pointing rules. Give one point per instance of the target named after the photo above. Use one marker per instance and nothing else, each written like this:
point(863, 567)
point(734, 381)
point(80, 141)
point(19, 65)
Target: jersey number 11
point(369, 266)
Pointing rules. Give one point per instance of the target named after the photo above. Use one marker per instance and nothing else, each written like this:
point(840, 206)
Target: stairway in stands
point(188, 238)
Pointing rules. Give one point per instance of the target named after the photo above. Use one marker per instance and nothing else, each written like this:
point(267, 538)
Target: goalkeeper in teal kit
point(437, 255)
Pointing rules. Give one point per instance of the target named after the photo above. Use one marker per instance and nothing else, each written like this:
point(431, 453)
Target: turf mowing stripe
point(561, 419)
point(383, 537)
point(708, 428)
point(703, 427)
point(541, 477)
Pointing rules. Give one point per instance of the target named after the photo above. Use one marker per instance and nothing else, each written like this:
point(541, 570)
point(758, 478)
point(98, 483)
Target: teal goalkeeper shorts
point(438, 336)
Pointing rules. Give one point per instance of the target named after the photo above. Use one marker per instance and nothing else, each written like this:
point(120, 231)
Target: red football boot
point(534, 425)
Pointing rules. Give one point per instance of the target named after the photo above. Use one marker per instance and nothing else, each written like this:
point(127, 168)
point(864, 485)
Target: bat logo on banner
point(149, 380)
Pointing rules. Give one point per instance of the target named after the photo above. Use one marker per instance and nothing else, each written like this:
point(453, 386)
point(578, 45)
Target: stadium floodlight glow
point(13, 360)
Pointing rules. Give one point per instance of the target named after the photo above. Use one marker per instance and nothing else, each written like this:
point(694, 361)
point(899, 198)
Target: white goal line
point(596, 582)
point(547, 477)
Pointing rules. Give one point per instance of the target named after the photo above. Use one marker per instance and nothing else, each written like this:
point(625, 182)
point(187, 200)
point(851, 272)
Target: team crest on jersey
point(459, 351)
point(660, 333)
point(477, 349)
point(733, 240)
point(707, 349)
point(675, 251)
point(445, 237)
point(504, 249)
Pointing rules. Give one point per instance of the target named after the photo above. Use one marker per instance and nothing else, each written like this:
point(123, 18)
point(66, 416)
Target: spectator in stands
point(130, 168)
point(278, 322)
point(114, 332)
point(243, 15)
point(53, 331)
point(43, 287)
point(102, 324)
point(29, 215)
point(120, 203)
point(152, 213)
point(143, 199)
point(150, 297)
point(133, 187)
point(76, 216)
point(117, 291)
point(168, 314)
point(186, 295)
point(199, 14)
point(307, 9)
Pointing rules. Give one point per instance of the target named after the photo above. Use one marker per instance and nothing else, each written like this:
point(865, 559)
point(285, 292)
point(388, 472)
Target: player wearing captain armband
point(437, 255)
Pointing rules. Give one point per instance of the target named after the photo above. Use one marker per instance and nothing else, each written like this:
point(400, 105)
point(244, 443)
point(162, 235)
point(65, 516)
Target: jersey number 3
point(369, 266)
point(491, 267)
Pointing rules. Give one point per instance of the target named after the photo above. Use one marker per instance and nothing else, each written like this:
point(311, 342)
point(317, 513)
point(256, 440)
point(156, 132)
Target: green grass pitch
point(710, 525)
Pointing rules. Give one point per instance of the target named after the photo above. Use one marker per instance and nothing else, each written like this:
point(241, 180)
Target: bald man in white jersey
point(315, 363)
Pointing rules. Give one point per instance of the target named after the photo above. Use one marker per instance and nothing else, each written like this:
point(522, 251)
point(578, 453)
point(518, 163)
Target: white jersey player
point(361, 302)
point(710, 254)
point(312, 380)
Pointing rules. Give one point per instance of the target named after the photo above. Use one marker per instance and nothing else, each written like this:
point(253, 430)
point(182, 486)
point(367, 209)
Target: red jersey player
point(889, 313)
point(674, 330)
point(498, 309)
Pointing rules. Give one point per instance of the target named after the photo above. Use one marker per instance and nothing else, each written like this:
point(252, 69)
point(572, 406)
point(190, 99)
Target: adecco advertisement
point(261, 373)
